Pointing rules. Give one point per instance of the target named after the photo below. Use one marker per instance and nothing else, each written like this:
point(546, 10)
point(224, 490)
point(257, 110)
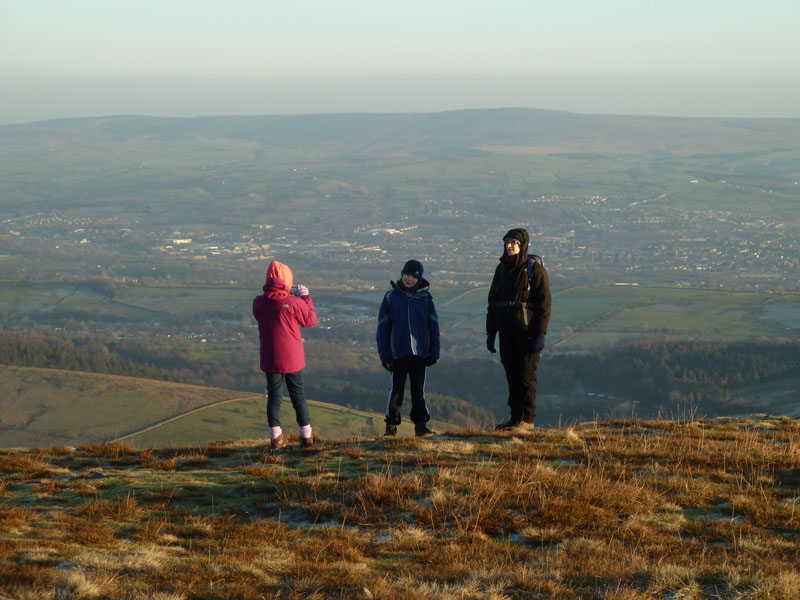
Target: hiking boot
point(306, 442)
point(422, 429)
point(391, 430)
point(279, 443)
point(508, 425)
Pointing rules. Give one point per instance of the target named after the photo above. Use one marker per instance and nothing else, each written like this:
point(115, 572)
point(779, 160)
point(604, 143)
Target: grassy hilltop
point(627, 509)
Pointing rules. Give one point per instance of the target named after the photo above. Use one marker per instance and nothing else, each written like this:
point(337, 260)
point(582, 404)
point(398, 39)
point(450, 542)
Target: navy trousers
point(294, 383)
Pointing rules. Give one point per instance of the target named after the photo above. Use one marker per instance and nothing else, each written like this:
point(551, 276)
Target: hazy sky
point(61, 58)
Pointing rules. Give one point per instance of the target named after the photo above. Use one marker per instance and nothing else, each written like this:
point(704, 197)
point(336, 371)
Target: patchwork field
point(584, 317)
point(625, 510)
point(600, 316)
point(188, 300)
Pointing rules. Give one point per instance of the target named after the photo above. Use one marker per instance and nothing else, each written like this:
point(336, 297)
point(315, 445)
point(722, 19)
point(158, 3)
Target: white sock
point(275, 432)
point(305, 431)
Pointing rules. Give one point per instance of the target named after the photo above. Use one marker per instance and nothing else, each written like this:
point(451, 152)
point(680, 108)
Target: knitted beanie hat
point(412, 267)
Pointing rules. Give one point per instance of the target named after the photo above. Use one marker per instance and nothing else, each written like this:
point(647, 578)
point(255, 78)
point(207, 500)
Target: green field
point(51, 407)
point(187, 300)
point(45, 407)
point(586, 317)
point(630, 312)
point(143, 302)
point(600, 316)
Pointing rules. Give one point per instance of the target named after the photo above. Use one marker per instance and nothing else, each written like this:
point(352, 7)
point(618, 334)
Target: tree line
point(646, 377)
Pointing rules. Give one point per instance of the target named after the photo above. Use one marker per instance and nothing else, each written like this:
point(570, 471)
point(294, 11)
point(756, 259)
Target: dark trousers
point(412, 367)
point(294, 383)
point(520, 368)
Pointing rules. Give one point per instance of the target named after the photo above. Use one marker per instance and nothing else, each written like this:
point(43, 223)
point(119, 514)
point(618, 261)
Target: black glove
point(430, 361)
point(535, 344)
point(490, 343)
point(388, 365)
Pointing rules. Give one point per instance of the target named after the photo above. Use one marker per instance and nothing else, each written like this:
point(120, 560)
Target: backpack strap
point(533, 258)
point(388, 297)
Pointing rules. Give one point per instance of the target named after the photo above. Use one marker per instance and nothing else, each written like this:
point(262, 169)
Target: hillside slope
point(49, 407)
point(625, 510)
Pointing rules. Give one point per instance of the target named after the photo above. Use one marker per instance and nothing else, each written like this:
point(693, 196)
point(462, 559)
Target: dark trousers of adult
point(294, 383)
point(520, 366)
point(413, 368)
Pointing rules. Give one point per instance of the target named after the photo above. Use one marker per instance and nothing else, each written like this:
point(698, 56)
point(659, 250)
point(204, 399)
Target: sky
point(184, 58)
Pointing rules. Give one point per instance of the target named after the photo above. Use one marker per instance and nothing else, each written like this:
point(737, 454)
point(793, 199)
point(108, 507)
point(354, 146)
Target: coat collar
point(421, 290)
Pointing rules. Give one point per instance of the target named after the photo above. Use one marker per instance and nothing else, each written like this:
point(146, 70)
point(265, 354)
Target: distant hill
point(359, 170)
point(540, 131)
point(48, 407)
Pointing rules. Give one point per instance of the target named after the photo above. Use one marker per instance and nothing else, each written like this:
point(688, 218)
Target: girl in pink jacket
point(281, 311)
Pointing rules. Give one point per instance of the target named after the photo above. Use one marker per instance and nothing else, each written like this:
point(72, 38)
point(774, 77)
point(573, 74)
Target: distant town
point(638, 243)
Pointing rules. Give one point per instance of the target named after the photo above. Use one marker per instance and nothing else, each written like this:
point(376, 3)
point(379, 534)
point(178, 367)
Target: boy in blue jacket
point(408, 342)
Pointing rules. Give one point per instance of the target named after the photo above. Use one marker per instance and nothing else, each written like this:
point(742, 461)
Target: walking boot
point(508, 424)
point(421, 429)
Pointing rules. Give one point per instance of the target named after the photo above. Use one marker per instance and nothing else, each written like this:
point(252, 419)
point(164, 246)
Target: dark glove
point(430, 361)
point(388, 365)
point(535, 344)
point(490, 343)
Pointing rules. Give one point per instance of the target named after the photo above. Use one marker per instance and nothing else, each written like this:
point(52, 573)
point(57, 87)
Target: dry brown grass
point(54, 451)
point(115, 451)
point(218, 449)
point(121, 509)
point(17, 466)
point(261, 471)
point(624, 510)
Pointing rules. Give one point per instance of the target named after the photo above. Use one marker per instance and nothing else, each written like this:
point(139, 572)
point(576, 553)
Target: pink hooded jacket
point(280, 316)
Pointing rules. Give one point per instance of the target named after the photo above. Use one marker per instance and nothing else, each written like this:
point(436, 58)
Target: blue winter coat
point(407, 323)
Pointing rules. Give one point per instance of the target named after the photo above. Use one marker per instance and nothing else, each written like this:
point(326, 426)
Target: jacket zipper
point(410, 334)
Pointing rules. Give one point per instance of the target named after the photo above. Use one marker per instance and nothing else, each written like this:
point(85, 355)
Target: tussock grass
point(121, 509)
point(629, 509)
point(115, 451)
point(24, 467)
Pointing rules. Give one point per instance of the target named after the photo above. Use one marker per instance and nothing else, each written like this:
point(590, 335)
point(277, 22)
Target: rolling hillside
point(47, 407)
